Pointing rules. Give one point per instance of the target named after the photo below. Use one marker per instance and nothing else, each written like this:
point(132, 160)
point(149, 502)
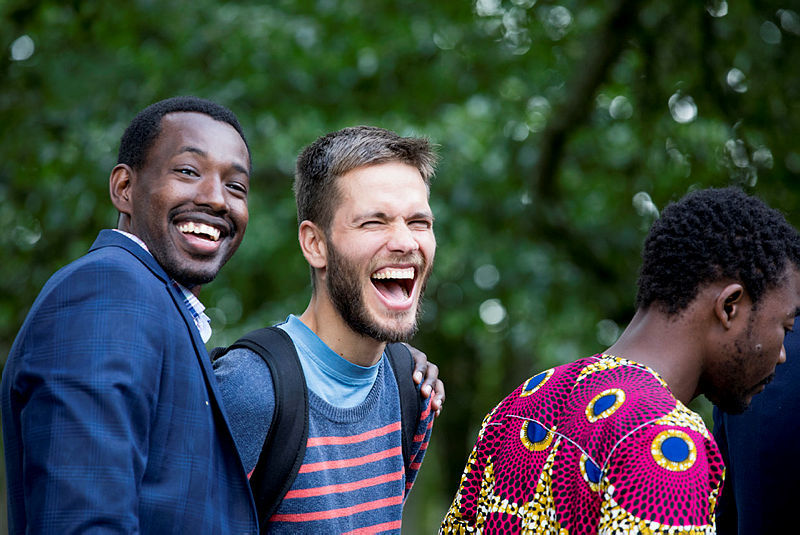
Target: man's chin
point(734, 406)
point(190, 277)
point(394, 336)
point(385, 333)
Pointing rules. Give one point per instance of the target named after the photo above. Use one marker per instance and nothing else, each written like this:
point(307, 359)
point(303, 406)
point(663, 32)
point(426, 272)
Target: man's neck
point(326, 322)
point(667, 345)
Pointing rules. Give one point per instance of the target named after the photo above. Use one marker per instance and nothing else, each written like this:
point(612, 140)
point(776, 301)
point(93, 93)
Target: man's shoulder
point(100, 291)
point(248, 394)
point(556, 381)
point(114, 259)
point(590, 388)
point(111, 274)
point(244, 371)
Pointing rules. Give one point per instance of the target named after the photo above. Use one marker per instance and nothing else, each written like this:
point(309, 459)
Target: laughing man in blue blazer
point(112, 419)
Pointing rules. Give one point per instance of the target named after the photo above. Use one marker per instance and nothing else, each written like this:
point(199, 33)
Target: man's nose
point(402, 239)
point(211, 192)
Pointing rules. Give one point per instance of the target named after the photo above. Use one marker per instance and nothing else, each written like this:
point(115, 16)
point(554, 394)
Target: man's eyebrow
point(423, 215)
point(194, 150)
point(189, 148)
point(241, 169)
point(371, 215)
point(383, 215)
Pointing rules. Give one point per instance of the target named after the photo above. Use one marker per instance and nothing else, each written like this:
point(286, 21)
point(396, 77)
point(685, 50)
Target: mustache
point(414, 258)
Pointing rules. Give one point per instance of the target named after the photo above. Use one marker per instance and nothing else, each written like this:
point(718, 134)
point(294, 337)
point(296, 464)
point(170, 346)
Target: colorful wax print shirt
point(596, 446)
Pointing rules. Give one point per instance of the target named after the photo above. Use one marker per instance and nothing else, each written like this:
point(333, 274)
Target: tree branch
point(604, 50)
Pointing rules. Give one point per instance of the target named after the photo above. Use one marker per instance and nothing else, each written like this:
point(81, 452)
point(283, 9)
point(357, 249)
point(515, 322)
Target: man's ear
point(728, 304)
point(120, 185)
point(313, 245)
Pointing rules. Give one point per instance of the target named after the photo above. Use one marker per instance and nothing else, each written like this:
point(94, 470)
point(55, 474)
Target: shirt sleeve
point(462, 517)
point(248, 396)
point(660, 479)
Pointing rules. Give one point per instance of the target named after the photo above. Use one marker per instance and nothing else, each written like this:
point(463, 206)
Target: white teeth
point(199, 228)
point(390, 273)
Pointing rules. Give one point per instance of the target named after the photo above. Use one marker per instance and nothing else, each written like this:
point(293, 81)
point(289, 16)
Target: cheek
point(767, 352)
point(241, 211)
point(240, 219)
point(428, 246)
point(777, 347)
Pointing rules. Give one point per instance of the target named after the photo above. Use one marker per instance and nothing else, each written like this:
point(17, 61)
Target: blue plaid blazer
point(112, 420)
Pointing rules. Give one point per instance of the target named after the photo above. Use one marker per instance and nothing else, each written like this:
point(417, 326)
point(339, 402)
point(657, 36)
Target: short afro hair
point(710, 235)
point(140, 135)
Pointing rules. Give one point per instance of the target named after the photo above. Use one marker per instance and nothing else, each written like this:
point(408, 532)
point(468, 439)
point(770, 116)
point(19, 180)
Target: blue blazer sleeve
point(85, 387)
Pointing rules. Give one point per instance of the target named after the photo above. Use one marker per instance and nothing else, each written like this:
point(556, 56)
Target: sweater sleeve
point(248, 397)
point(420, 445)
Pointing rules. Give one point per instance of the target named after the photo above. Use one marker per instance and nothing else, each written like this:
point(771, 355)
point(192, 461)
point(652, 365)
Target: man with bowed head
point(366, 230)
point(112, 420)
point(606, 444)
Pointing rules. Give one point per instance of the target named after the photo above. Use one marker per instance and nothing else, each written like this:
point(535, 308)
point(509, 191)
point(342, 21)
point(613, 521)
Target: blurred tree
point(564, 128)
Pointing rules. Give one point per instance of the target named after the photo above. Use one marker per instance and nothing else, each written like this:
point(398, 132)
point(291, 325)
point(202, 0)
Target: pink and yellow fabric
point(596, 446)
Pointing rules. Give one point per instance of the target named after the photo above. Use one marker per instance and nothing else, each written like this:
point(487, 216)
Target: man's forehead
point(787, 291)
point(187, 121)
point(196, 127)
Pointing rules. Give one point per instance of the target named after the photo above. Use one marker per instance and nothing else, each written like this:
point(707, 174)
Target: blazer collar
point(109, 238)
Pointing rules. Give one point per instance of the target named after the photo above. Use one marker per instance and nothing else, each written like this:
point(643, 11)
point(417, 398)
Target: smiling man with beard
point(366, 230)
point(112, 420)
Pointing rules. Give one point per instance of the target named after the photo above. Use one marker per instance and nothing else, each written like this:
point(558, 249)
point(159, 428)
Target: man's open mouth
point(201, 230)
point(395, 284)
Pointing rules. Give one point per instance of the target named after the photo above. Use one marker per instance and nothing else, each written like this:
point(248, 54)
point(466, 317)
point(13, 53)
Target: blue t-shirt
point(330, 376)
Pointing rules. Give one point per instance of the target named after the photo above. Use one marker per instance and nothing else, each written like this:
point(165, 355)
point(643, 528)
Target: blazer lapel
point(110, 238)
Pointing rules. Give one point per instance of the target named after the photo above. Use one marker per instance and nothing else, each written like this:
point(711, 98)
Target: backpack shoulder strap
point(403, 367)
point(285, 445)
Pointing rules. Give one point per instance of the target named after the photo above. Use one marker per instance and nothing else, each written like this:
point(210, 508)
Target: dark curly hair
point(709, 235)
point(140, 135)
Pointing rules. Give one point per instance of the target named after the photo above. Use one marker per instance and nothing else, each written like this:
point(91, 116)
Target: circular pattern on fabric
point(674, 450)
point(590, 472)
point(535, 436)
point(605, 404)
point(534, 383)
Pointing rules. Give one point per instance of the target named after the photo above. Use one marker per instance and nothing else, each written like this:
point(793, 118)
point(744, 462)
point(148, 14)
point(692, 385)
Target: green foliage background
point(564, 127)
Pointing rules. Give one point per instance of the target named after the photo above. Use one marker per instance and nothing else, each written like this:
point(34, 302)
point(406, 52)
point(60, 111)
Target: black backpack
point(285, 445)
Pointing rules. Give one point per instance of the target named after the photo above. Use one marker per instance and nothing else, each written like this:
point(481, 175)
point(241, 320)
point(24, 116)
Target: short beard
point(733, 405)
point(184, 275)
point(736, 401)
point(342, 282)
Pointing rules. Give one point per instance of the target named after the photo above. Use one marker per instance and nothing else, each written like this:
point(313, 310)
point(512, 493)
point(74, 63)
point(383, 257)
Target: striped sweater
point(352, 479)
